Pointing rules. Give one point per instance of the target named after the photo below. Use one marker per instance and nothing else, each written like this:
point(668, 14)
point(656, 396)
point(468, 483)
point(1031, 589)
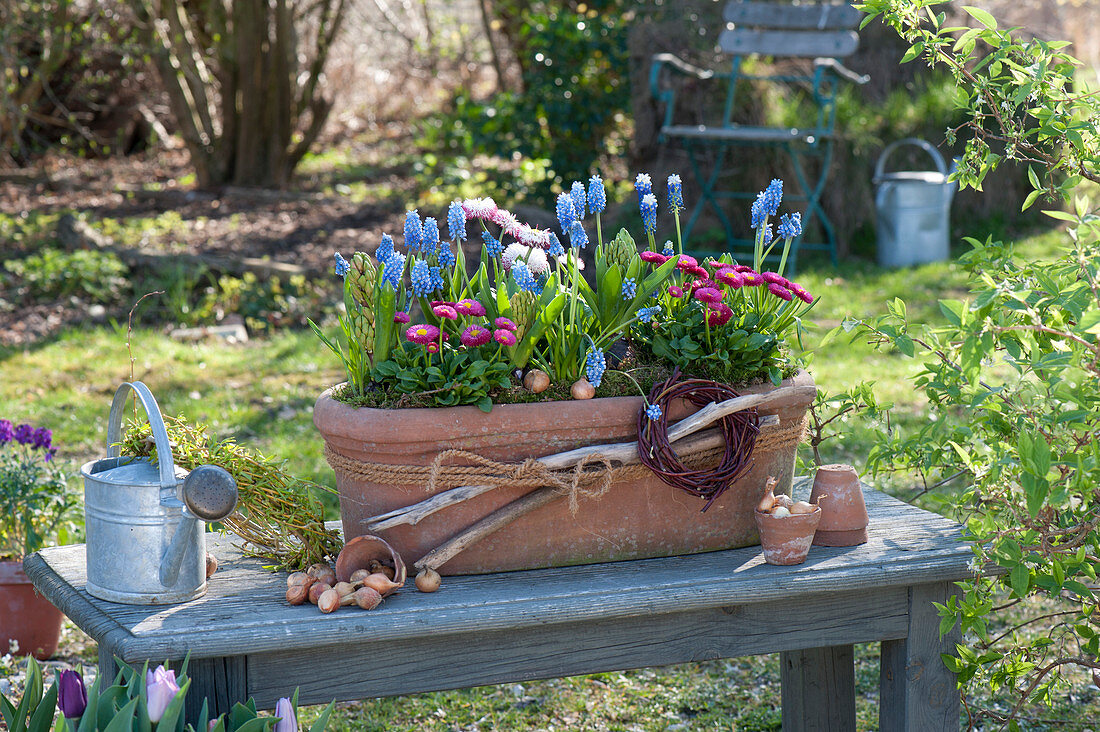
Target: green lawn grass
point(261, 393)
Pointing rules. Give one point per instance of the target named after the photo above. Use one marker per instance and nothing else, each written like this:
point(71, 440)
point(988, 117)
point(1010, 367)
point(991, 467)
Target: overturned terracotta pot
point(844, 512)
point(640, 518)
point(787, 539)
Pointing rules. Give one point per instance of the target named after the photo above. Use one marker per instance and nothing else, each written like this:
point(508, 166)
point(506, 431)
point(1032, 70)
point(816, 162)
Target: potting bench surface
point(245, 640)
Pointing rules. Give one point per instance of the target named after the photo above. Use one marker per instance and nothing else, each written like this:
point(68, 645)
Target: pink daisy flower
point(729, 277)
point(479, 208)
point(504, 337)
point(400, 317)
point(475, 335)
point(751, 279)
point(775, 279)
point(742, 268)
point(708, 295)
point(719, 314)
point(801, 293)
point(779, 291)
point(422, 334)
point(686, 260)
point(698, 272)
point(432, 347)
point(470, 307)
point(504, 324)
point(675, 291)
point(445, 311)
point(654, 258)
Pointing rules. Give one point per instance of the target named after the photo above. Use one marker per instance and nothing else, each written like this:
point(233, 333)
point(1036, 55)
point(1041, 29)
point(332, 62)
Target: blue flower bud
point(578, 237)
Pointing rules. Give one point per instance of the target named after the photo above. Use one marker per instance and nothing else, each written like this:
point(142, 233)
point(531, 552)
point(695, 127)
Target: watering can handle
point(156, 422)
point(880, 166)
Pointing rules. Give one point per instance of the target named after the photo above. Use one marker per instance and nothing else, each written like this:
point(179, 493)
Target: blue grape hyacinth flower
point(578, 237)
point(493, 247)
point(643, 184)
point(597, 195)
point(566, 211)
point(790, 226)
point(421, 278)
point(675, 194)
point(429, 241)
point(595, 365)
point(630, 288)
point(385, 249)
point(556, 249)
point(414, 231)
point(653, 411)
point(649, 213)
point(576, 192)
point(456, 222)
point(342, 267)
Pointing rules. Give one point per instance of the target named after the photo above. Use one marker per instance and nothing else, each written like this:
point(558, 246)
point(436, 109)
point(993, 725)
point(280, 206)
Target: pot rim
point(399, 426)
point(797, 517)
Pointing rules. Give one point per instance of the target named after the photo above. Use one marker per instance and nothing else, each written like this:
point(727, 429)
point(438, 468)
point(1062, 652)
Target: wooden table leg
point(819, 689)
point(108, 669)
point(221, 682)
point(917, 693)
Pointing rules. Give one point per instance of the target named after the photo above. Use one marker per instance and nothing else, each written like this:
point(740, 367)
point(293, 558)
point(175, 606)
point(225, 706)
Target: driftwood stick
point(625, 453)
point(446, 551)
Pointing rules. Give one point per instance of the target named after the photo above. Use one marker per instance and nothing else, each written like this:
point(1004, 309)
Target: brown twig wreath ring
point(740, 430)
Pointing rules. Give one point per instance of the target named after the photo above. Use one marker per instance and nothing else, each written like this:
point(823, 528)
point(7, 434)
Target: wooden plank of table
point(356, 669)
point(244, 613)
point(819, 689)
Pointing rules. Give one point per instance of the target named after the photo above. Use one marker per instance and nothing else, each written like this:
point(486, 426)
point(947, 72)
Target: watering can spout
point(209, 494)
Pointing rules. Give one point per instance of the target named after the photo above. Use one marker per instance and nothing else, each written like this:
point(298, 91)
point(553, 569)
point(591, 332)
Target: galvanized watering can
point(913, 210)
point(146, 540)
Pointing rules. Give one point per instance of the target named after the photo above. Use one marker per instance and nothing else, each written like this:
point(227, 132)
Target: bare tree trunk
point(242, 82)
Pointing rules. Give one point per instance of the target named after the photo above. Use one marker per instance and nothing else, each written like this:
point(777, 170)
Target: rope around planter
point(590, 479)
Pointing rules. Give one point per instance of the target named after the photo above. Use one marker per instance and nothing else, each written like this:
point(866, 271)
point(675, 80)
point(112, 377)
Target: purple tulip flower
point(161, 688)
point(288, 722)
point(72, 697)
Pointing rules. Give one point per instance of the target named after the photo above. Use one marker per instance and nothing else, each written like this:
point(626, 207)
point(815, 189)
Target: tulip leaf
point(42, 719)
point(122, 721)
point(322, 718)
point(256, 724)
point(88, 719)
point(8, 712)
point(172, 717)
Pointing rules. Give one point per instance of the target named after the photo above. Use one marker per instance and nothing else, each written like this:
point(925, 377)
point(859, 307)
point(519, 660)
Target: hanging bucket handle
point(156, 422)
point(880, 166)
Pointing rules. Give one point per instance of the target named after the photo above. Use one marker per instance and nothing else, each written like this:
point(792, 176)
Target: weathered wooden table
point(245, 640)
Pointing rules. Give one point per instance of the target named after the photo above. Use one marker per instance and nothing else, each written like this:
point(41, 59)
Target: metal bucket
point(912, 210)
point(132, 511)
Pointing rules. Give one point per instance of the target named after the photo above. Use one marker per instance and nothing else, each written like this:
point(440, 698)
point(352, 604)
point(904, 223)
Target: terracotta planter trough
point(642, 518)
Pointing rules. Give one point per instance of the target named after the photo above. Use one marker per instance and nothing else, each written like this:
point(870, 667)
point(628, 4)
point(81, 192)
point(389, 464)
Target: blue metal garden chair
point(822, 32)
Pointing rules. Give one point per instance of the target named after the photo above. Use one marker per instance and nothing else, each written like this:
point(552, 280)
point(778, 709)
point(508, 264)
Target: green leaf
point(1018, 578)
point(954, 311)
point(905, 344)
point(1061, 216)
point(42, 718)
point(123, 719)
point(322, 718)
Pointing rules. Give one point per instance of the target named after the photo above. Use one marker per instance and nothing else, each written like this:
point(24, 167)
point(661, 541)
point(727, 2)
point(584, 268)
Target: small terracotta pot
point(25, 616)
point(787, 540)
point(844, 513)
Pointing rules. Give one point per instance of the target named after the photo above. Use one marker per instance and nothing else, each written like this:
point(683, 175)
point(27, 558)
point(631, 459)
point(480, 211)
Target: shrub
point(1013, 379)
point(87, 274)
